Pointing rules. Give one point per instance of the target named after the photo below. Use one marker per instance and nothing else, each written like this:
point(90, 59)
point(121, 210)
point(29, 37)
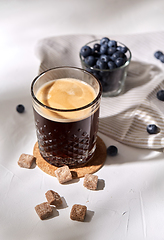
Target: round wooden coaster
point(92, 166)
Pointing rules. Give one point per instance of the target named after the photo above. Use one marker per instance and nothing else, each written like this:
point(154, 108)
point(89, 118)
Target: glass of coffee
point(66, 103)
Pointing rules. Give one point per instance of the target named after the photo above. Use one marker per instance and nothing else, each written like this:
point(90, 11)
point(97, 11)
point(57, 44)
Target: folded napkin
point(125, 117)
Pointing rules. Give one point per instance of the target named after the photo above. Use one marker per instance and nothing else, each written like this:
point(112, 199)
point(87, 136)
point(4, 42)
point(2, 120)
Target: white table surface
point(131, 204)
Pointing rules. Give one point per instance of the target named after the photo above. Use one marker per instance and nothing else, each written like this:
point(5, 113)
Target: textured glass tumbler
point(66, 141)
point(112, 80)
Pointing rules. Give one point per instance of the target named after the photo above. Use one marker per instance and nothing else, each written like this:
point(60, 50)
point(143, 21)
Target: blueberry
point(20, 108)
point(119, 48)
point(160, 95)
point(124, 49)
point(105, 58)
point(119, 62)
point(85, 51)
point(103, 49)
point(96, 54)
point(111, 65)
point(104, 40)
point(112, 43)
point(101, 64)
point(116, 55)
point(105, 86)
point(152, 129)
point(96, 47)
point(125, 58)
point(157, 54)
point(89, 69)
point(90, 60)
point(96, 66)
point(161, 58)
point(111, 50)
point(96, 75)
point(112, 150)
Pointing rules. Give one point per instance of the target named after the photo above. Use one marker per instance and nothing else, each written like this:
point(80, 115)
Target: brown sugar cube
point(63, 174)
point(44, 210)
point(90, 181)
point(26, 160)
point(78, 212)
point(53, 198)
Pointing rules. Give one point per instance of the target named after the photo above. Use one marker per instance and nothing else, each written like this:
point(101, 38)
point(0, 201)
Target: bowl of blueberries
point(107, 60)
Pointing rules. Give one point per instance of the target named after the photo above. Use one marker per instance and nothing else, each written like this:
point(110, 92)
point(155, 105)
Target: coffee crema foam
point(65, 94)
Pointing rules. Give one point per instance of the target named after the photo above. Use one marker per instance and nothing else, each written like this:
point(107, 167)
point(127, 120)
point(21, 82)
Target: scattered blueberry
point(157, 54)
point(160, 95)
point(152, 129)
point(20, 108)
point(112, 150)
point(86, 51)
point(161, 58)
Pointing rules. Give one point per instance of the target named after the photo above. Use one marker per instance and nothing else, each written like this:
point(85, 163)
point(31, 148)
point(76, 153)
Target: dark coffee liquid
point(67, 143)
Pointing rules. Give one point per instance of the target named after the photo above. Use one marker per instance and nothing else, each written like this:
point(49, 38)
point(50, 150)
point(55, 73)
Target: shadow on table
point(127, 154)
point(17, 129)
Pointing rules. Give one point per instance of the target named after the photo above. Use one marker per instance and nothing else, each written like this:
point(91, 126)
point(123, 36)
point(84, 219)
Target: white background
point(131, 205)
point(23, 23)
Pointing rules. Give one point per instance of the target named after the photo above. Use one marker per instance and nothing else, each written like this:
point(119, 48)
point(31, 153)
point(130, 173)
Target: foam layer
point(66, 94)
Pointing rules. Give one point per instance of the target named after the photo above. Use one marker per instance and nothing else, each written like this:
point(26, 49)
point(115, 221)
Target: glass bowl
point(112, 81)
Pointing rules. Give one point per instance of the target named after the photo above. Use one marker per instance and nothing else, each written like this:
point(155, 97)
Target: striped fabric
point(125, 117)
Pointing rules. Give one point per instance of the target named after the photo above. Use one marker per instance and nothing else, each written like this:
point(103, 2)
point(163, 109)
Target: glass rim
point(107, 70)
point(66, 110)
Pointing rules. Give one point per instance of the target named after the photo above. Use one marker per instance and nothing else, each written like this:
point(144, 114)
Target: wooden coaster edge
point(92, 166)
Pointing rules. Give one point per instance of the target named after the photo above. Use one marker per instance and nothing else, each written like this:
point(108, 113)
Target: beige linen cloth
point(125, 117)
